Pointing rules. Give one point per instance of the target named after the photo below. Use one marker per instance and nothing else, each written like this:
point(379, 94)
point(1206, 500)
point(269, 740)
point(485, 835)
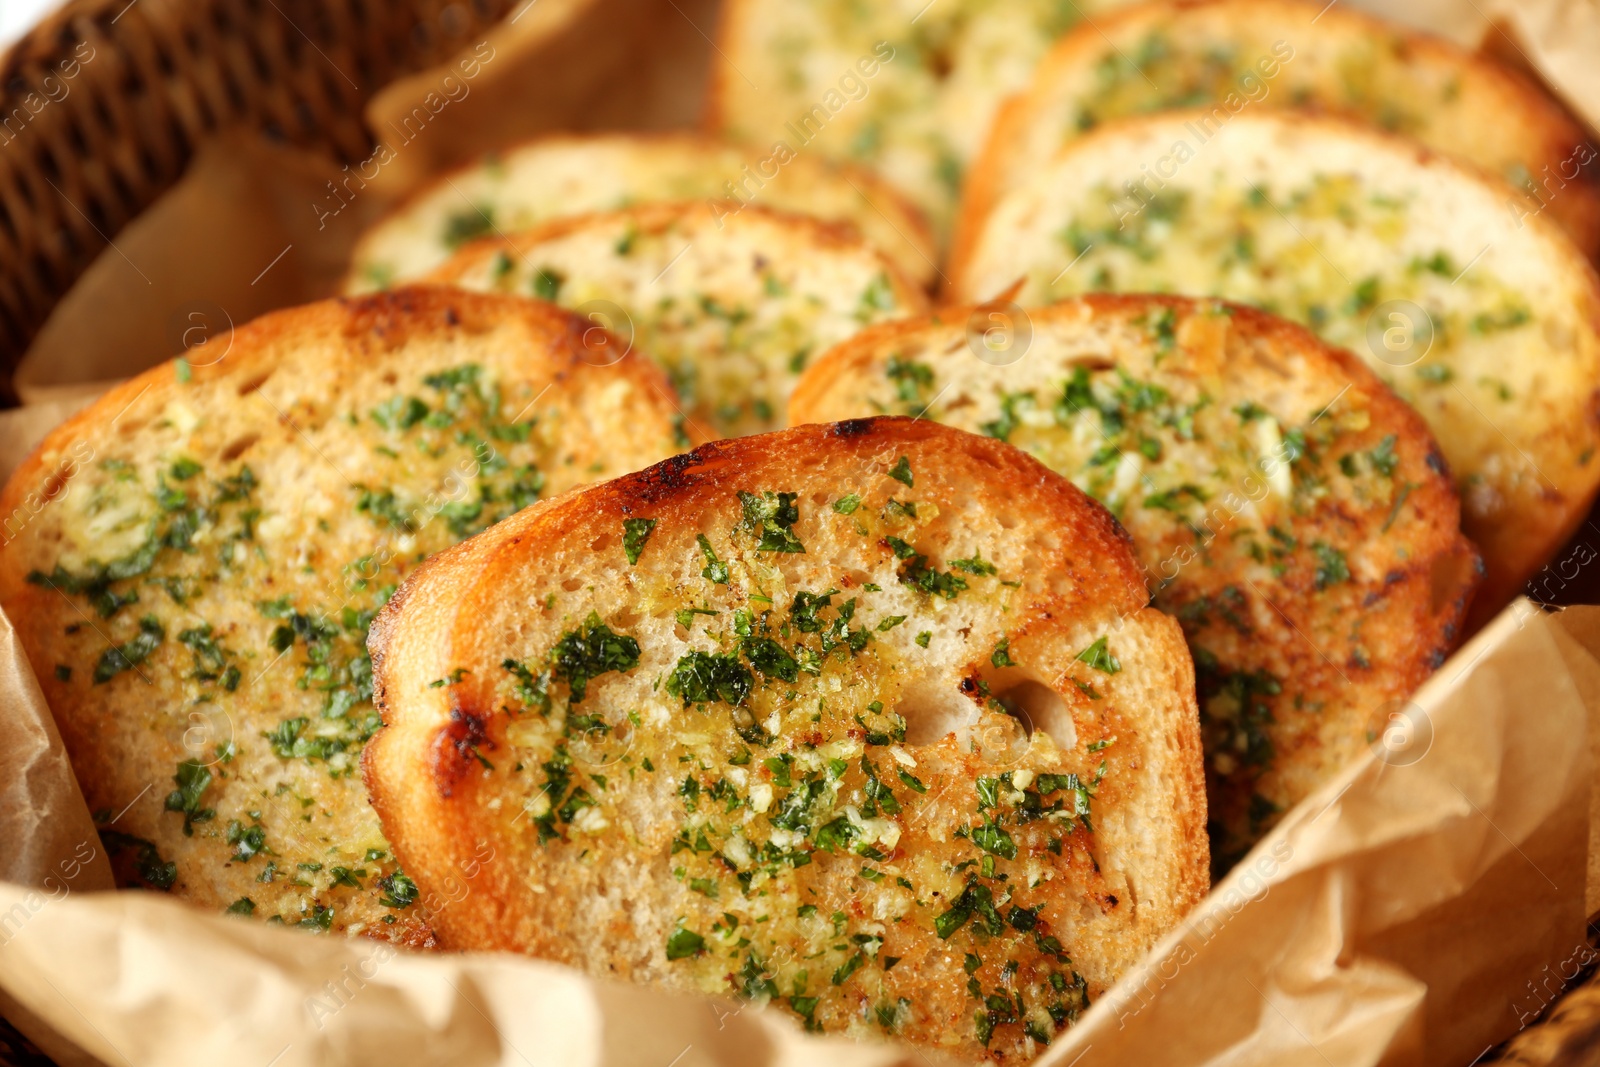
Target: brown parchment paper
point(1411, 912)
point(1419, 909)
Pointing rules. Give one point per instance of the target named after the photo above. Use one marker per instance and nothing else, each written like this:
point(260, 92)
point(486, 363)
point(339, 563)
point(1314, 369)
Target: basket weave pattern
point(104, 104)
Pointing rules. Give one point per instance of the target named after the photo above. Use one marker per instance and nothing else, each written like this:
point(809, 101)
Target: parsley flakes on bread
point(905, 87)
point(574, 174)
point(195, 598)
point(1227, 56)
point(733, 302)
point(1286, 508)
point(741, 724)
point(1486, 323)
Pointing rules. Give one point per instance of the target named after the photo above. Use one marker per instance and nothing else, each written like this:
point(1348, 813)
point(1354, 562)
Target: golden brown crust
point(840, 234)
point(247, 571)
point(1352, 647)
point(1536, 130)
point(894, 224)
point(457, 779)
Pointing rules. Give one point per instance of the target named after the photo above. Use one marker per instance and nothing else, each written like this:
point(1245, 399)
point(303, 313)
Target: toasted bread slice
point(737, 724)
point(553, 177)
point(907, 87)
point(731, 302)
point(1483, 320)
point(1316, 591)
point(193, 561)
point(1231, 55)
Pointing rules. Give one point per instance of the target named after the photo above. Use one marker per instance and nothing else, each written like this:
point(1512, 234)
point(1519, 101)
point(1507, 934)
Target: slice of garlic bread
point(1286, 507)
point(740, 723)
point(1233, 55)
point(553, 177)
point(1483, 321)
point(192, 564)
point(906, 87)
point(733, 304)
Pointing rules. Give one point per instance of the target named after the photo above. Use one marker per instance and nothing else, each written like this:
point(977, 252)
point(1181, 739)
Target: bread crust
point(1326, 665)
point(1509, 376)
point(256, 481)
point(1489, 114)
point(603, 897)
point(670, 166)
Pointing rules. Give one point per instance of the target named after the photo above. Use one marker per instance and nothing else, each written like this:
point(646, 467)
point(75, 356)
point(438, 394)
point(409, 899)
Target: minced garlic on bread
point(906, 87)
point(1292, 514)
point(211, 542)
point(733, 304)
point(1234, 55)
point(1486, 323)
point(738, 724)
point(573, 174)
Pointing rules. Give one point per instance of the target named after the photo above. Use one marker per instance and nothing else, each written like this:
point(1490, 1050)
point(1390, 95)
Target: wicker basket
point(104, 104)
point(1568, 1034)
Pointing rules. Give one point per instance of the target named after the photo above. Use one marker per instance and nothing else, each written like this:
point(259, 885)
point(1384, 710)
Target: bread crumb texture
point(193, 564)
point(1291, 513)
point(869, 722)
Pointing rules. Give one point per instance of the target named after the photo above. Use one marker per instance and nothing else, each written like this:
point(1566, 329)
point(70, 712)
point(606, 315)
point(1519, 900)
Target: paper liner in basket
point(1419, 909)
point(1409, 912)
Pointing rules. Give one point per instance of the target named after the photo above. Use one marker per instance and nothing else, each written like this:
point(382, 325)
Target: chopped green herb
point(584, 654)
point(148, 864)
point(400, 413)
point(770, 658)
point(246, 840)
point(772, 516)
point(547, 284)
point(464, 226)
point(992, 838)
point(974, 899)
point(345, 877)
point(1002, 427)
point(1331, 565)
point(684, 943)
point(685, 616)
point(184, 468)
point(1384, 460)
point(716, 571)
point(635, 532)
point(126, 656)
point(192, 779)
point(915, 571)
point(878, 296)
point(1100, 658)
point(701, 678)
point(976, 565)
point(911, 379)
